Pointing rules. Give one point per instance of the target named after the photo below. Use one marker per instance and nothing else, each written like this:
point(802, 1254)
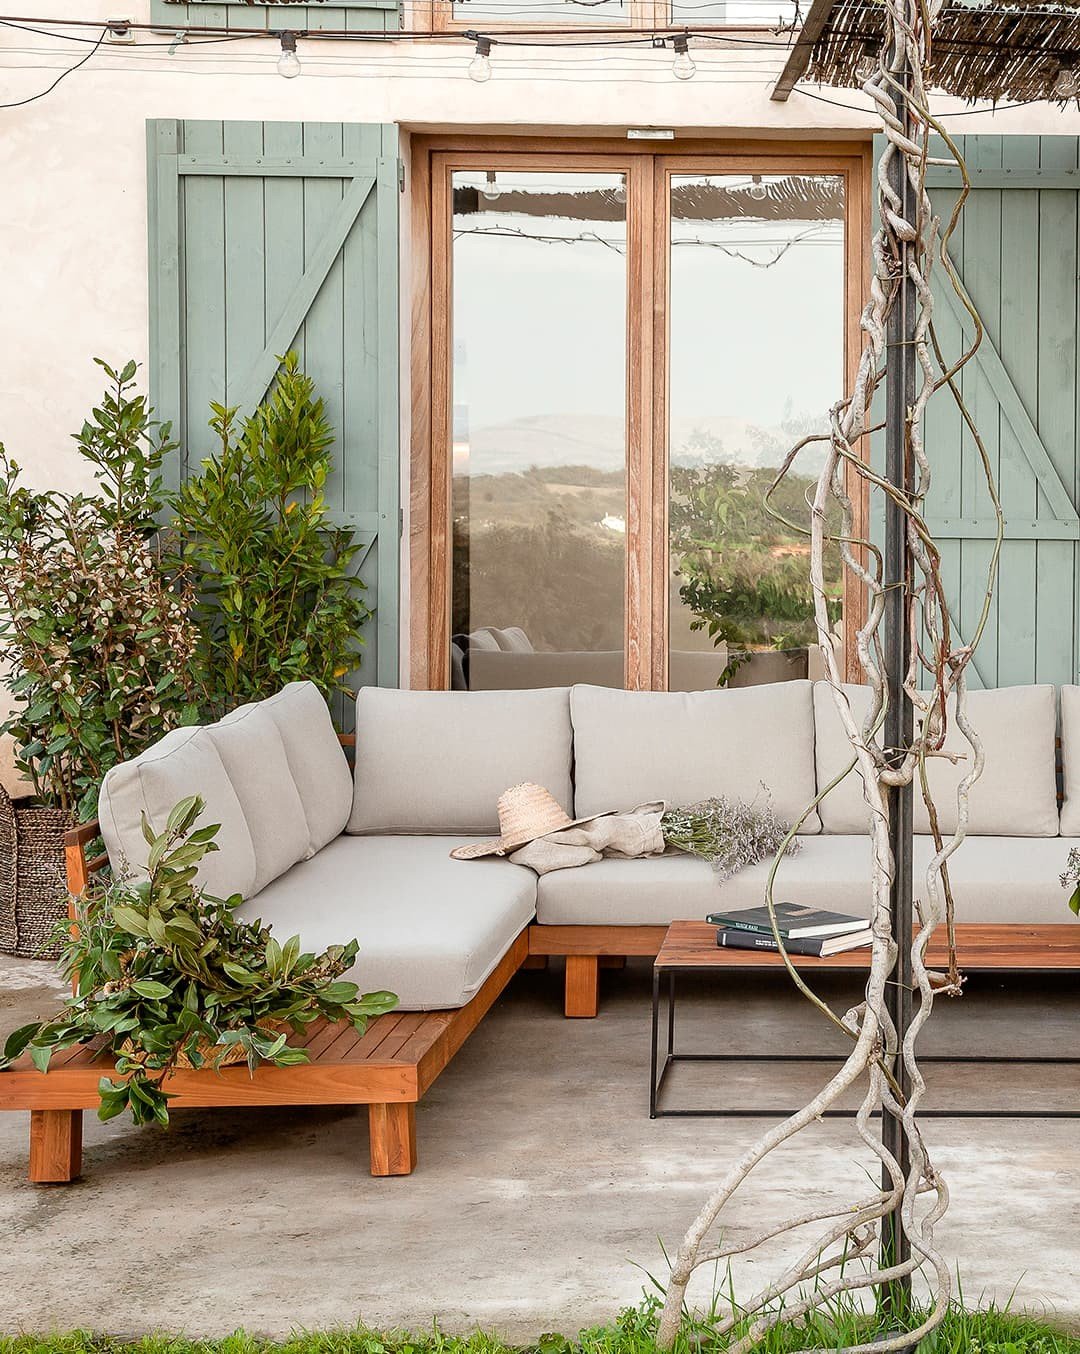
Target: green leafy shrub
point(744, 575)
point(278, 600)
point(96, 639)
point(165, 972)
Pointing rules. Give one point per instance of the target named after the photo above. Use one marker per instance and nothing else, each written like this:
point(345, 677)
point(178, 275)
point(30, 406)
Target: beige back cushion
point(316, 759)
point(253, 755)
point(437, 761)
point(184, 762)
point(273, 774)
point(1070, 754)
point(1016, 796)
point(684, 746)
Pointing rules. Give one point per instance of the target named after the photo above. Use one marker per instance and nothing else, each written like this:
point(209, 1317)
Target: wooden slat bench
point(388, 1068)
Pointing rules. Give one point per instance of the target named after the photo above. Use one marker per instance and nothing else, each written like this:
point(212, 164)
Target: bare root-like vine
point(910, 240)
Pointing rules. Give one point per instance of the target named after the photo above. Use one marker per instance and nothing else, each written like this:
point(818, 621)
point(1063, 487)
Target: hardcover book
point(817, 947)
point(794, 921)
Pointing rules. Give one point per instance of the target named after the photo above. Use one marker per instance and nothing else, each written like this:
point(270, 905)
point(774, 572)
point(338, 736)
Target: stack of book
point(805, 930)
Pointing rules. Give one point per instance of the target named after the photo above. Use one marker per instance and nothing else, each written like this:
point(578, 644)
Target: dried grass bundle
point(728, 833)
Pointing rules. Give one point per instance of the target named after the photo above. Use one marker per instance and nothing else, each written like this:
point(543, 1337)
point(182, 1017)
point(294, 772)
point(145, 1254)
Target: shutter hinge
point(401, 522)
point(401, 176)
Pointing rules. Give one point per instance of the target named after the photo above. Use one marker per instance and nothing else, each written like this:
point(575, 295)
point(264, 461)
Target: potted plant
point(278, 593)
point(167, 976)
point(96, 643)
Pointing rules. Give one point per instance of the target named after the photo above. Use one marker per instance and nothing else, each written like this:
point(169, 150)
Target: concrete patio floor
point(543, 1188)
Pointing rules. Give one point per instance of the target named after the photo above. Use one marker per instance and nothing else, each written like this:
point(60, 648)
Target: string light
point(757, 189)
point(682, 67)
point(490, 191)
point(480, 65)
point(288, 65)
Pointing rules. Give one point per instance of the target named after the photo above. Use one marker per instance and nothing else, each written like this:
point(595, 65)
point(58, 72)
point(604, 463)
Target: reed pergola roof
point(993, 51)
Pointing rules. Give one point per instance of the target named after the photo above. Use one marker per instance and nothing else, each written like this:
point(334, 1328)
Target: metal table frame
point(658, 1074)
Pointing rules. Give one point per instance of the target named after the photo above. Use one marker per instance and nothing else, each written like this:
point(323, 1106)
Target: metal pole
point(899, 397)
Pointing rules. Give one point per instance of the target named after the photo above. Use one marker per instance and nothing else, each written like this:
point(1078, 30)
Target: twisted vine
point(910, 234)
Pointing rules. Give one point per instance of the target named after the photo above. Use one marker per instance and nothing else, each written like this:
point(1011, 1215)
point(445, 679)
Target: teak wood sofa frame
point(388, 1068)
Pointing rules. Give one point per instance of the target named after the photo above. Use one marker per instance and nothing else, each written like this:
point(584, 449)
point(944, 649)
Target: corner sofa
point(317, 849)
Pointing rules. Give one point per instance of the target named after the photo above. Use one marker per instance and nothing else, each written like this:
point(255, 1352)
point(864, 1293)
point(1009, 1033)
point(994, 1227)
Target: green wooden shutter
point(1016, 250)
point(358, 16)
point(271, 236)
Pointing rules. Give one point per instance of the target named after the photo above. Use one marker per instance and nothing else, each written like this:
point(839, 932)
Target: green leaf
point(129, 920)
point(184, 814)
point(1074, 901)
point(146, 987)
point(40, 1056)
point(239, 974)
point(17, 1041)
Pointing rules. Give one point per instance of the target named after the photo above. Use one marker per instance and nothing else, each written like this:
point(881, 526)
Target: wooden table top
point(1011, 948)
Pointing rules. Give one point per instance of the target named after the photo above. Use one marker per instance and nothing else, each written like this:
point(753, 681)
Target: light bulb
point(757, 189)
point(480, 65)
point(288, 64)
point(682, 67)
point(1067, 83)
point(490, 191)
point(619, 191)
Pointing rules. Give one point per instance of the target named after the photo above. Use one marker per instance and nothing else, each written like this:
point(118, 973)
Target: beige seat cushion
point(184, 762)
point(995, 879)
point(430, 928)
point(676, 886)
point(1016, 794)
point(681, 746)
point(437, 761)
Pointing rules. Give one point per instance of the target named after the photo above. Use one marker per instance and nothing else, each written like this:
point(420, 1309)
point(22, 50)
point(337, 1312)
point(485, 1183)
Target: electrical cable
point(70, 70)
point(960, 113)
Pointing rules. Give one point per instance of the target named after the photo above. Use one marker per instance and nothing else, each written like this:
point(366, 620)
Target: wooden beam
point(799, 56)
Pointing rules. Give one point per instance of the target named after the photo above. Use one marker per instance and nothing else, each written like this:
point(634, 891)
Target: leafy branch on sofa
point(96, 638)
point(279, 598)
point(170, 978)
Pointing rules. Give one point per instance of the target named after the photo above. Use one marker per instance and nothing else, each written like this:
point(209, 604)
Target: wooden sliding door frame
point(648, 175)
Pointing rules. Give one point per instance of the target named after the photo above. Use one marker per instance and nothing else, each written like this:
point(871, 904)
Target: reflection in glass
point(755, 361)
point(539, 436)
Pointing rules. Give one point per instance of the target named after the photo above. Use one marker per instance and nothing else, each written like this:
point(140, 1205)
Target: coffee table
point(690, 947)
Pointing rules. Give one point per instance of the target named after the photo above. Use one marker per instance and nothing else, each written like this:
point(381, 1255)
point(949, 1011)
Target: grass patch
point(987, 1331)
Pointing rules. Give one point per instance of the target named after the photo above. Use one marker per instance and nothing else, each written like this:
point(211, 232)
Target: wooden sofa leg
point(55, 1146)
point(582, 985)
point(393, 1137)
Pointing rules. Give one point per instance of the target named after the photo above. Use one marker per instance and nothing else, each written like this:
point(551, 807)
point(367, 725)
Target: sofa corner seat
point(428, 931)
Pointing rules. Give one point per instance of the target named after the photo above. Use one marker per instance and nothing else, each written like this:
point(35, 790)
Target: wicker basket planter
point(33, 895)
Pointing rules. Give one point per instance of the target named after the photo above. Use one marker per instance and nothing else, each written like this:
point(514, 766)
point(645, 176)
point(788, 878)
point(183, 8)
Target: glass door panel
point(539, 313)
point(755, 360)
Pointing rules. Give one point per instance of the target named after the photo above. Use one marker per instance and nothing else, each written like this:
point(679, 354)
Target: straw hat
point(525, 812)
